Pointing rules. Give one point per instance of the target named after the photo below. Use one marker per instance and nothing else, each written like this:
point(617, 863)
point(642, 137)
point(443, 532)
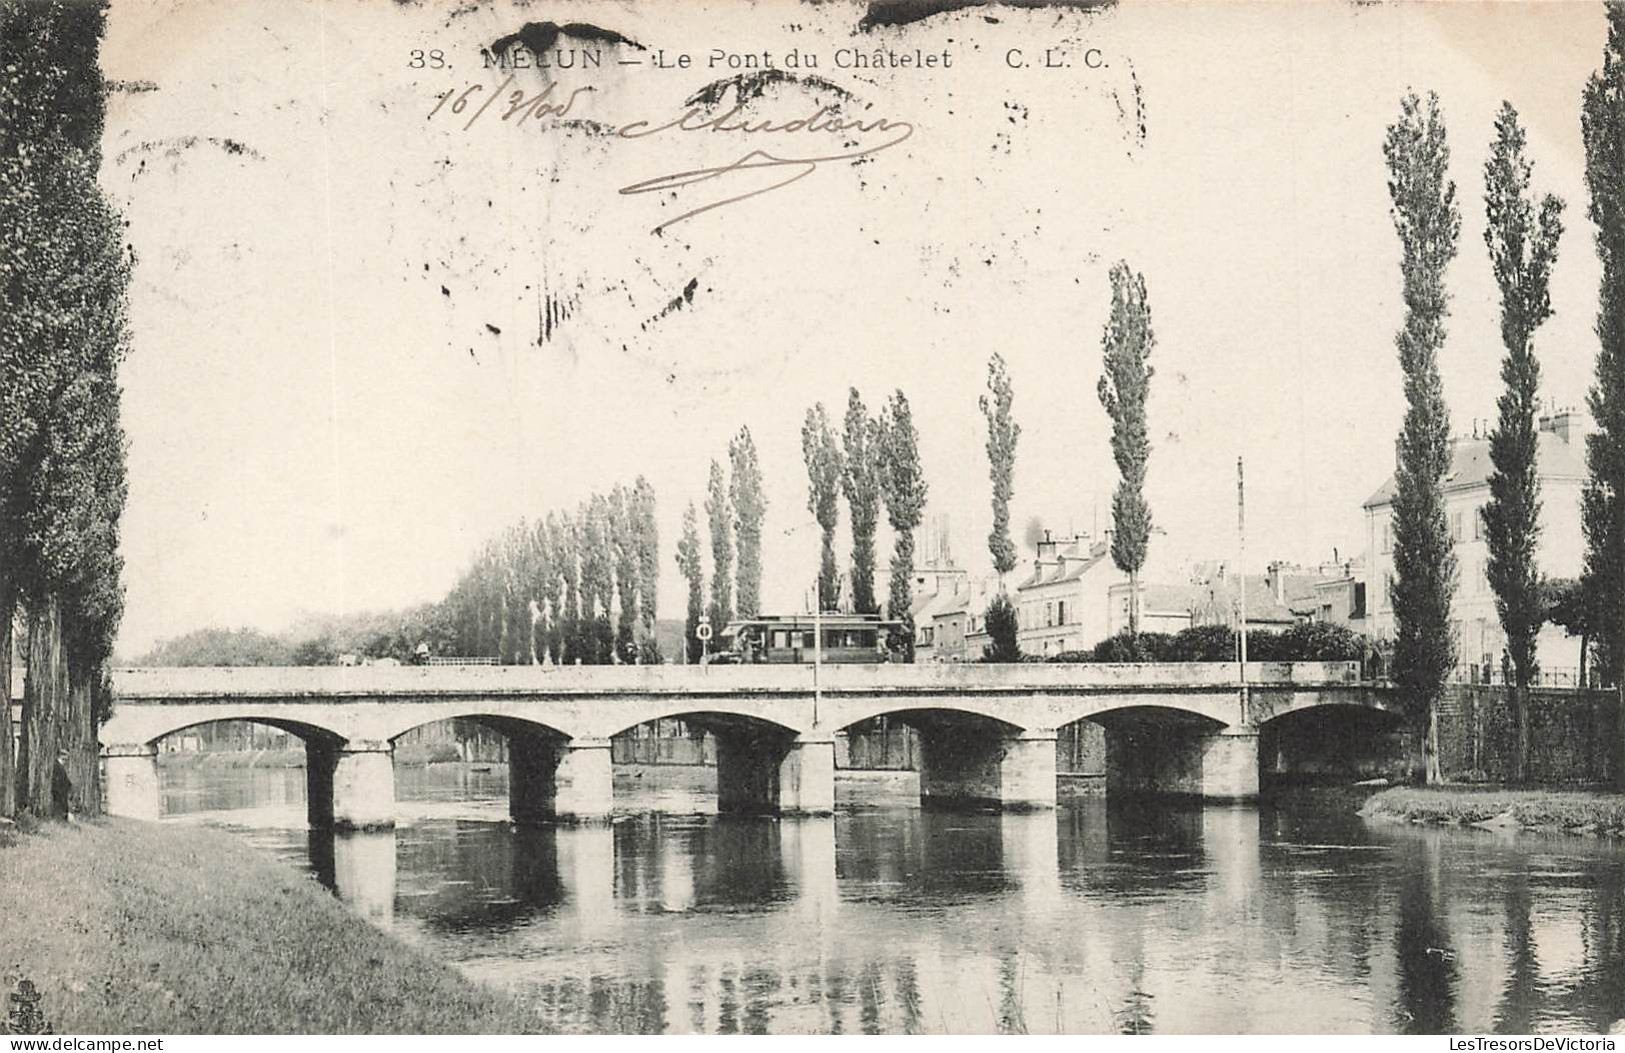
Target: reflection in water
point(1135, 916)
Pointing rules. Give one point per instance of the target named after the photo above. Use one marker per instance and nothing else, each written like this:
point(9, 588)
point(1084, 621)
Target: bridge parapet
point(193, 684)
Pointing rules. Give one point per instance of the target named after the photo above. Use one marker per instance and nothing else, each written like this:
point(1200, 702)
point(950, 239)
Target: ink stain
point(541, 37)
point(752, 85)
point(678, 302)
point(885, 14)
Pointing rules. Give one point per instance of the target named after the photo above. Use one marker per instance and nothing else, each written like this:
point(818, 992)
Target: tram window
point(807, 641)
point(781, 639)
point(866, 638)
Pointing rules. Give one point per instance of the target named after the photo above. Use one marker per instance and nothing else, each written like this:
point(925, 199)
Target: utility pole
point(818, 649)
point(1241, 569)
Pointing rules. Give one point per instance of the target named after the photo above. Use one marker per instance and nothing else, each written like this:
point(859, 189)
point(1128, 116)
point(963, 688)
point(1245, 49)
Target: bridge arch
point(146, 726)
point(1338, 741)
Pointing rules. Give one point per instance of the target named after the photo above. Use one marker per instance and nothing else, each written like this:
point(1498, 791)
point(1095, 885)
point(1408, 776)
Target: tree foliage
point(1523, 248)
point(860, 481)
point(569, 588)
point(824, 474)
point(903, 485)
point(720, 515)
point(1125, 383)
point(65, 271)
point(1002, 626)
point(1602, 123)
point(749, 502)
point(1428, 222)
point(688, 561)
point(1002, 435)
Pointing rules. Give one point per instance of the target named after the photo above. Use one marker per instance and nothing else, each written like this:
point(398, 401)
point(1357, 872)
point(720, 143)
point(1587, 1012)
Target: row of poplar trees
point(568, 589)
point(735, 509)
point(63, 333)
point(1521, 232)
point(1123, 389)
point(875, 460)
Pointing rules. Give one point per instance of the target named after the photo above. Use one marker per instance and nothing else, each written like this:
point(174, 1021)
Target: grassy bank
point(1574, 811)
point(139, 928)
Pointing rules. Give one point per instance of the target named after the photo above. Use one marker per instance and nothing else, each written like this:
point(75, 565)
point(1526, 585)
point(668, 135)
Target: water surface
point(1133, 917)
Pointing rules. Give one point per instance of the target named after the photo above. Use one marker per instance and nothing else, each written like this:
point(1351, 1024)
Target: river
point(1293, 916)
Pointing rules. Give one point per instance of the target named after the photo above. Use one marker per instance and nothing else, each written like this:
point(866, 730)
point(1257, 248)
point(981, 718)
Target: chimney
point(1277, 583)
point(1568, 424)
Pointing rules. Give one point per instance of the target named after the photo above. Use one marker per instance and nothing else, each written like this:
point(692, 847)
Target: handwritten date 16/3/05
point(517, 104)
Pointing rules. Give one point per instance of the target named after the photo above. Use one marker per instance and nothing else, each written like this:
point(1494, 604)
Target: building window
point(1455, 526)
point(1049, 614)
point(1478, 523)
point(1060, 612)
point(1387, 538)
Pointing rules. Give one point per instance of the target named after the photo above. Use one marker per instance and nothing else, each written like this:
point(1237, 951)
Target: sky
point(343, 378)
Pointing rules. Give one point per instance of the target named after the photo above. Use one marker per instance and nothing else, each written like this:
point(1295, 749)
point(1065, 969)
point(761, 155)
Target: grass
point(1576, 811)
point(140, 928)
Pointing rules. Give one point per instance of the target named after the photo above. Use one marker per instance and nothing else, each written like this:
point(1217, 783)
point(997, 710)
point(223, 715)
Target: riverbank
point(1570, 811)
point(142, 928)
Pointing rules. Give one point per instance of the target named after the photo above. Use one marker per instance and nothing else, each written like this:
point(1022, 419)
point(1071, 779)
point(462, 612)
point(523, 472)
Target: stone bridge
point(987, 732)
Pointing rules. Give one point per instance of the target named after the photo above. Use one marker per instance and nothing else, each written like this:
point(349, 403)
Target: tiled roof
point(1072, 565)
point(1470, 465)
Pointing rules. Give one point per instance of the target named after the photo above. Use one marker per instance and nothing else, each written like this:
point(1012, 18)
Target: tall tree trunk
point(1585, 647)
point(1520, 744)
point(79, 738)
point(1134, 603)
point(44, 695)
point(1430, 745)
point(8, 738)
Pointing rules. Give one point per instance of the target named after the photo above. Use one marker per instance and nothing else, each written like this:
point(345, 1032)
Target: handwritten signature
point(521, 107)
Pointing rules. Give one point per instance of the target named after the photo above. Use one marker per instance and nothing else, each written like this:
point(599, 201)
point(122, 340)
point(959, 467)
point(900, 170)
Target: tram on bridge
point(790, 639)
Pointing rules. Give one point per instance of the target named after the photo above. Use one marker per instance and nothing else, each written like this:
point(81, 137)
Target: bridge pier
point(553, 780)
point(130, 776)
point(350, 786)
point(1230, 764)
point(962, 767)
point(770, 773)
point(1214, 765)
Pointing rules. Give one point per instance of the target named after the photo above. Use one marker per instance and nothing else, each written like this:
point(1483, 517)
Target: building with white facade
point(1560, 461)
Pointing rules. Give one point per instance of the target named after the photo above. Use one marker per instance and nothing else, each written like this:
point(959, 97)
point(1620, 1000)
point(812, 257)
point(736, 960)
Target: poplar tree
point(824, 473)
point(1427, 221)
point(1602, 510)
point(688, 561)
point(1002, 435)
point(544, 591)
point(860, 481)
point(64, 271)
point(749, 502)
point(1523, 247)
point(905, 492)
point(623, 545)
point(563, 597)
point(720, 515)
point(647, 531)
point(1124, 385)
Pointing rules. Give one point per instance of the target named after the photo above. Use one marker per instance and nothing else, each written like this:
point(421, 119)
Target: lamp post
point(1241, 568)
